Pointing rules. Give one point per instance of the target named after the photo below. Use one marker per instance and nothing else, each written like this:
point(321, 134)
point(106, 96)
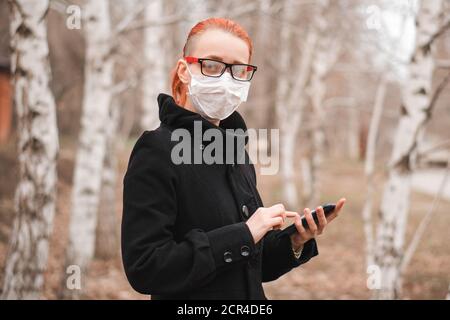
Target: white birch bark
point(291, 99)
point(320, 54)
point(369, 166)
point(37, 146)
point(155, 76)
point(92, 141)
point(325, 57)
point(317, 90)
point(416, 93)
point(106, 239)
point(288, 120)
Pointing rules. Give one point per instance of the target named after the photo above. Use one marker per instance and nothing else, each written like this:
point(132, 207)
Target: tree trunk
point(290, 99)
point(37, 146)
point(415, 110)
point(287, 130)
point(317, 93)
point(92, 142)
point(106, 239)
point(324, 58)
point(369, 169)
point(155, 78)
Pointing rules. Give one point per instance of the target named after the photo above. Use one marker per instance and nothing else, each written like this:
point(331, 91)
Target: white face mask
point(217, 98)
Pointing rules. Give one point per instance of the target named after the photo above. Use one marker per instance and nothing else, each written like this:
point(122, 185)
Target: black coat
point(184, 234)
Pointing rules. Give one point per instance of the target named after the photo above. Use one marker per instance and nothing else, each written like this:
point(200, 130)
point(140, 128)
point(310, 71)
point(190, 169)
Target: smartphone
point(327, 209)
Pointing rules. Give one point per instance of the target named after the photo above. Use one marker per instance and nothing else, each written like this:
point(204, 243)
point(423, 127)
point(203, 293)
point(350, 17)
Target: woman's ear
point(183, 73)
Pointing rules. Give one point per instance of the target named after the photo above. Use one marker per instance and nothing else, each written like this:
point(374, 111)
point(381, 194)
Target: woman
point(200, 230)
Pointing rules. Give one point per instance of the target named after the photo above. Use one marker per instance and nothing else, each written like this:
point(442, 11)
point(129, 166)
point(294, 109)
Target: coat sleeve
point(154, 262)
point(278, 258)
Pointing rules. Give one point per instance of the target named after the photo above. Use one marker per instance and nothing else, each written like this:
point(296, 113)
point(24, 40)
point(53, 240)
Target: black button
point(245, 251)
point(245, 210)
point(227, 256)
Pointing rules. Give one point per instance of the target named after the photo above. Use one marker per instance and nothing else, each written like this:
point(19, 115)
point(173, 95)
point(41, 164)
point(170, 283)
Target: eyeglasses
point(215, 68)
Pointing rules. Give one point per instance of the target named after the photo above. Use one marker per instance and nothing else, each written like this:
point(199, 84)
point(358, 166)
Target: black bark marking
point(426, 49)
point(403, 110)
point(24, 31)
point(421, 91)
point(404, 164)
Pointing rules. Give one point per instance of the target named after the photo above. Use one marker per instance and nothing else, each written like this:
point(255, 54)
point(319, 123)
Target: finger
point(340, 204)
point(300, 228)
point(277, 222)
point(335, 213)
point(311, 224)
point(342, 201)
point(276, 210)
point(291, 214)
point(321, 217)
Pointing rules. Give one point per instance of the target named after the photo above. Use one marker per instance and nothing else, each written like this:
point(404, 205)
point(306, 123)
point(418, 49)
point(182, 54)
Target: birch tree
point(155, 78)
point(37, 147)
point(325, 55)
point(106, 238)
point(93, 135)
point(369, 168)
point(415, 112)
point(388, 73)
point(290, 97)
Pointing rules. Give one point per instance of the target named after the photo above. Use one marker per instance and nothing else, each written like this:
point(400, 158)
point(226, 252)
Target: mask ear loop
point(187, 67)
point(190, 73)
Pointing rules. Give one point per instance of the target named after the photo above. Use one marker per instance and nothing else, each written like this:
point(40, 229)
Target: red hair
point(179, 89)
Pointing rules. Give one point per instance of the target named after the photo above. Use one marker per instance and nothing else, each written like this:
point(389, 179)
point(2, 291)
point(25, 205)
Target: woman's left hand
point(303, 235)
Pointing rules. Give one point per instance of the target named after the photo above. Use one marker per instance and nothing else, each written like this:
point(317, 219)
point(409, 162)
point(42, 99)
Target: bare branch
point(59, 6)
point(124, 85)
point(438, 33)
point(130, 82)
point(123, 25)
point(438, 92)
point(139, 25)
point(180, 17)
point(425, 222)
point(441, 145)
point(443, 64)
point(432, 164)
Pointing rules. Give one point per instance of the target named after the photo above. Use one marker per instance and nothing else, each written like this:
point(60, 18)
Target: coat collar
point(176, 116)
point(232, 128)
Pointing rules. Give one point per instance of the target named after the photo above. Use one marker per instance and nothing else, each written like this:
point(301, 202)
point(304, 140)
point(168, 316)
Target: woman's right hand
point(266, 219)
